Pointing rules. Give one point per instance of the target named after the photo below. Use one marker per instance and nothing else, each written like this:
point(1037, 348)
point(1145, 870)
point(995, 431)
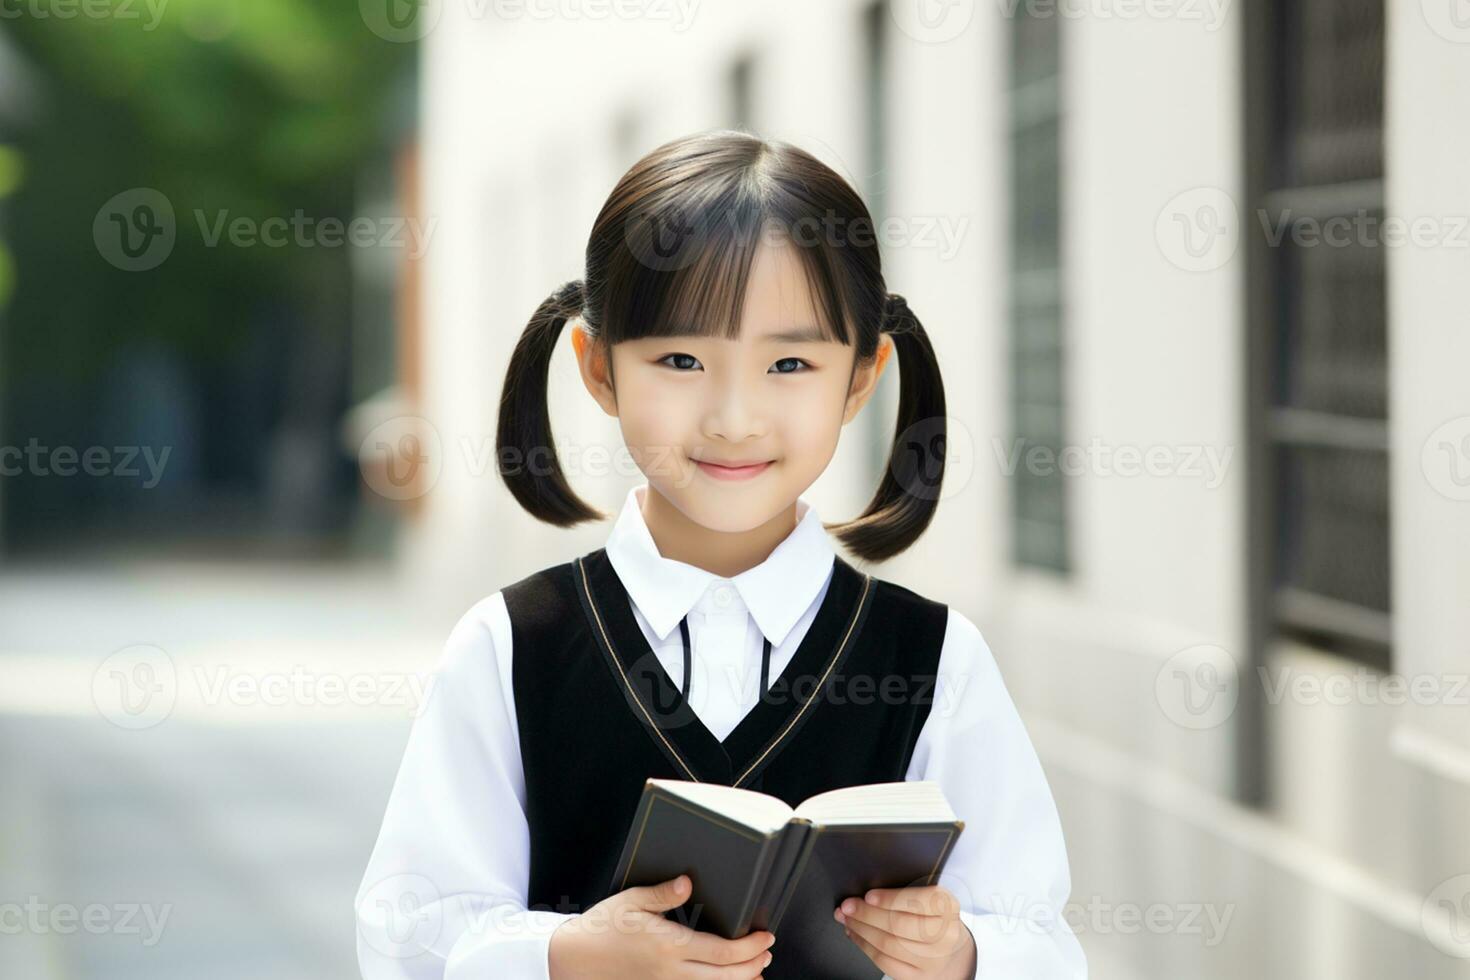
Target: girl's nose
point(734, 414)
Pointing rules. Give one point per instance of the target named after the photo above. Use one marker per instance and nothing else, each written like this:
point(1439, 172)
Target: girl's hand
point(626, 935)
point(911, 933)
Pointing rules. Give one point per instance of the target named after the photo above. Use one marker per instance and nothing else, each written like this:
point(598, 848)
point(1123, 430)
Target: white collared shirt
point(728, 617)
point(444, 894)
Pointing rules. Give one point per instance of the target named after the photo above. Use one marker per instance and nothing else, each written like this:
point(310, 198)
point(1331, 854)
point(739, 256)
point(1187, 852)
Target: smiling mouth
point(741, 471)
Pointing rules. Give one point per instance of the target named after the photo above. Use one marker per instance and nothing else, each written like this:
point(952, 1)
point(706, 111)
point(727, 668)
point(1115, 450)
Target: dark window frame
point(1036, 314)
point(1291, 430)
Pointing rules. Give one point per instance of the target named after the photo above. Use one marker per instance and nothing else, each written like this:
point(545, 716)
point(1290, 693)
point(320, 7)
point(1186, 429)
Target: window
point(883, 405)
point(1038, 499)
point(1318, 329)
point(875, 99)
point(627, 141)
point(741, 94)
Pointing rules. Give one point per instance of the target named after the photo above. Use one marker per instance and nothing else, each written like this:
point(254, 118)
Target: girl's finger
point(918, 899)
point(745, 970)
point(919, 928)
point(891, 965)
point(711, 950)
point(901, 949)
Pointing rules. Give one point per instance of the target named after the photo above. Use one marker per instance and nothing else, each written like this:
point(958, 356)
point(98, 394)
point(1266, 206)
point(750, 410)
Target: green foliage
point(258, 108)
point(12, 172)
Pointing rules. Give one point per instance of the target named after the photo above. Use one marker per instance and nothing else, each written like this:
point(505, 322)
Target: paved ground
point(251, 841)
point(239, 823)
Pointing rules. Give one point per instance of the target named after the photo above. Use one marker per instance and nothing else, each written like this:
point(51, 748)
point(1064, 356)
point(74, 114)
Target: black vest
point(598, 714)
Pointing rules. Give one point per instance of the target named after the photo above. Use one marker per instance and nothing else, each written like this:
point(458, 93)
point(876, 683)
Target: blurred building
point(1258, 437)
point(190, 400)
point(18, 97)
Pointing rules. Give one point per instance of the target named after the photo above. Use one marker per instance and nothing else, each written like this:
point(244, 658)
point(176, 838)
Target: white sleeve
point(1009, 867)
point(444, 894)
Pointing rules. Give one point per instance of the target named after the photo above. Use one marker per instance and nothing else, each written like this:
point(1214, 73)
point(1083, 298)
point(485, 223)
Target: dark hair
point(670, 255)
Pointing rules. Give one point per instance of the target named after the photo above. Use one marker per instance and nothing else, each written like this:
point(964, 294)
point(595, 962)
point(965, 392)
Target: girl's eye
point(688, 362)
point(685, 357)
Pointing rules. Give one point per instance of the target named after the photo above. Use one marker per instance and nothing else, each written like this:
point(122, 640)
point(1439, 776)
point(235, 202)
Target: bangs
point(686, 267)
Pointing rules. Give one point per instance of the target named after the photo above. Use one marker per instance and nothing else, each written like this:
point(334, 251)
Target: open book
point(756, 863)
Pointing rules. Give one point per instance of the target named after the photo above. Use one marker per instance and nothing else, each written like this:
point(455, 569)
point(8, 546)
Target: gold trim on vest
point(859, 608)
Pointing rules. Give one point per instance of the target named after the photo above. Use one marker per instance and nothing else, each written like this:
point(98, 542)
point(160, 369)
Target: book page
point(755, 810)
point(914, 801)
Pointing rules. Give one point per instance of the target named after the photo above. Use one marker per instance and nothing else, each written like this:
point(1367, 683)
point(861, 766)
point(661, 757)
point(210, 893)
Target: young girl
point(733, 318)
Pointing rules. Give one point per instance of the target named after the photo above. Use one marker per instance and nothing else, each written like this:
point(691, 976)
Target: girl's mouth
point(739, 472)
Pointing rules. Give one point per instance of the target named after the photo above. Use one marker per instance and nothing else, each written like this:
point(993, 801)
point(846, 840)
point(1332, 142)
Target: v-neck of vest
point(660, 706)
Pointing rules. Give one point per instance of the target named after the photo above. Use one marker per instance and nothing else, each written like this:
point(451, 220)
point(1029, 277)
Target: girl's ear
point(865, 379)
point(592, 361)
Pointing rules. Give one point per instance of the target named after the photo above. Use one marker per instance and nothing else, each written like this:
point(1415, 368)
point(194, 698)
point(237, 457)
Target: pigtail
point(909, 491)
point(524, 450)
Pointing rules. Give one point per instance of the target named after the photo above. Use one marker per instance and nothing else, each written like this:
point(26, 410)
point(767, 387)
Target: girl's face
point(731, 432)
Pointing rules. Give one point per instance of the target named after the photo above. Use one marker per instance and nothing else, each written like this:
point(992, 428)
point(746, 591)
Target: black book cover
point(787, 881)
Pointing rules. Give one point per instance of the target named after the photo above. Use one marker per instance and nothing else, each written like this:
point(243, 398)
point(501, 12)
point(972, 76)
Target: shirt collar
point(777, 591)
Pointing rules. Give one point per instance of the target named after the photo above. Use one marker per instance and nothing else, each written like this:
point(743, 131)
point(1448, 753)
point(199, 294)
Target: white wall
point(1429, 307)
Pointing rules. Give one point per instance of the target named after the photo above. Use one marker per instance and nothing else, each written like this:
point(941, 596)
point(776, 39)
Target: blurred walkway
point(225, 836)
